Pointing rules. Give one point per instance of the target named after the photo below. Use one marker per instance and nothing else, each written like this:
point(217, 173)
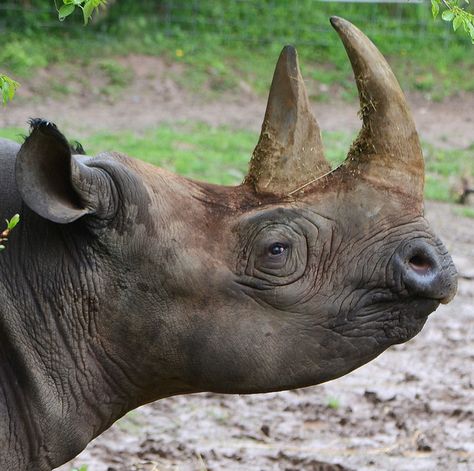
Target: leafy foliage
point(11, 224)
point(7, 88)
point(452, 11)
point(87, 6)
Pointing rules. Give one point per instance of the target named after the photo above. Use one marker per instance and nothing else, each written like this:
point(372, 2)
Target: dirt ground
point(410, 409)
point(154, 96)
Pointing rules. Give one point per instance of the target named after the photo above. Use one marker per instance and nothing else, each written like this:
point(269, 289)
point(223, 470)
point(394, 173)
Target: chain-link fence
point(281, 22)
point(250, 22)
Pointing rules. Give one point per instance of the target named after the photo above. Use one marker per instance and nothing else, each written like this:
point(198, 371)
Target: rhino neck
point(58, 388)
point(10, 201)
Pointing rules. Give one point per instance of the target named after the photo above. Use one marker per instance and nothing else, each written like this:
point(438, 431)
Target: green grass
point(217, 155)
point(117, 75)
point(15, 134)
point(333, 403)
point(223, 44)
point(444, 168)
point(221, 155)
point(465, 211)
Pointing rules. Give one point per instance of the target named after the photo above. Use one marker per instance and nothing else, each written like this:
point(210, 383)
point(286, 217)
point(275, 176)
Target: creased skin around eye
point(276, 255)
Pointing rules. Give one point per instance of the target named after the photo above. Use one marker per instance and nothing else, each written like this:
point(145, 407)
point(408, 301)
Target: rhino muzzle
point(427, 271)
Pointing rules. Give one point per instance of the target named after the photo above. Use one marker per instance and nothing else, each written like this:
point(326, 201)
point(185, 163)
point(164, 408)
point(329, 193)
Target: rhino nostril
point(426, 271)
point(420, 264)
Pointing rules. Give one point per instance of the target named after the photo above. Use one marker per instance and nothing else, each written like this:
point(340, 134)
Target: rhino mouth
point(401, 321)
point(417, 308)
point(389, 321)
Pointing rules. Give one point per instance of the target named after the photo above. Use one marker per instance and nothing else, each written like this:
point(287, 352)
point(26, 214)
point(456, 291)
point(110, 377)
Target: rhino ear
point(52, 181)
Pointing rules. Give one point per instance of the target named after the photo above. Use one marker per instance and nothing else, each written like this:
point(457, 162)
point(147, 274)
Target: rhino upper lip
point(419, 307)
point(447, 299)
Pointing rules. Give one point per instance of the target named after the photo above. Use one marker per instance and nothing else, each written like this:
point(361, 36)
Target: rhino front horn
point(387, 150)
point(289, 151)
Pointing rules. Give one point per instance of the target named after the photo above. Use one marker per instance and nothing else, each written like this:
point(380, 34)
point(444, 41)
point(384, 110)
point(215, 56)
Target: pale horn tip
point(337, 22)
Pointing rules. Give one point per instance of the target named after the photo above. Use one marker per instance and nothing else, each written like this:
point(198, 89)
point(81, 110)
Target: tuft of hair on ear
point(76, 148)
point(35, 123)
point(51, 128)
point(40, 123)
point(47, 128)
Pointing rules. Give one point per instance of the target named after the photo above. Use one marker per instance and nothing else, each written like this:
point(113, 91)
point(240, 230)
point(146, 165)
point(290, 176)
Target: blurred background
point(141, 67)
point(183, 84)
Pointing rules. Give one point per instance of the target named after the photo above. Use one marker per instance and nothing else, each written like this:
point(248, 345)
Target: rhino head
point(151, 284)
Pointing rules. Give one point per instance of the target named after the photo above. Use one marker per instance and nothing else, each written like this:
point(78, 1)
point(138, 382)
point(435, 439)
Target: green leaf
point(447, 15)
point(87, 10)
point(7, 88)
point(65, 11)
point(11, 224)
point(434, 8)
point(471, 30)
point(465, 25)
point(5, 92)
point(457, 22)
point(2, 247)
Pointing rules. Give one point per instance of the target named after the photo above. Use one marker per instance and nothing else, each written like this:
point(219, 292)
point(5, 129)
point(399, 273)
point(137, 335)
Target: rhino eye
point(278, 248)
point(273, 257)
point(277, 254)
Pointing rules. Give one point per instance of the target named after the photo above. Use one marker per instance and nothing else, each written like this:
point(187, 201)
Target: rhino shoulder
point(8, 148)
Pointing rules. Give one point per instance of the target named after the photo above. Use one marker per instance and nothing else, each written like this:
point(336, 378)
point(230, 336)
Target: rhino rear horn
point(52, 181)
point(290, 150)
point(387, 150)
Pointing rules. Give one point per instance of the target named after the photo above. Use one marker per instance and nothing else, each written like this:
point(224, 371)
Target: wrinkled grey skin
point(166, 286)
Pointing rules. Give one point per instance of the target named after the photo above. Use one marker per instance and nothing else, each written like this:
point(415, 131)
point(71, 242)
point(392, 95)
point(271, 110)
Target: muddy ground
point(410, 409)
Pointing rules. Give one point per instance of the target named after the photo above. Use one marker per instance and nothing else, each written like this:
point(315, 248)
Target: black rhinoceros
point(124, 283)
